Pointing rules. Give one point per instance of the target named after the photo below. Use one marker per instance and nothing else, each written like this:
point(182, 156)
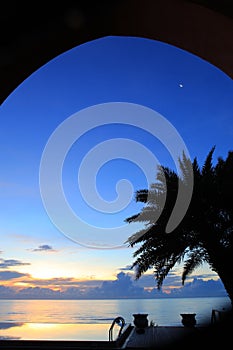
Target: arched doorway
point(180, 23)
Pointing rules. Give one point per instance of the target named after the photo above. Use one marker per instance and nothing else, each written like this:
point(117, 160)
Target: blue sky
point(194, 96)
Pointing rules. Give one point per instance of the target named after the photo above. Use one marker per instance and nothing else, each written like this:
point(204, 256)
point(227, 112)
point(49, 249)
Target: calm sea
point(161, 311)
point(72, 319)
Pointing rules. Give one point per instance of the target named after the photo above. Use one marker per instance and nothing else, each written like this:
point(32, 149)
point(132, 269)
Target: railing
point(117, 321)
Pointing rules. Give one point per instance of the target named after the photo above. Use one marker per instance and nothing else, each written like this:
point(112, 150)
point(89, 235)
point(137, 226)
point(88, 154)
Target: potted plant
point(140, 320)
point(188, 320)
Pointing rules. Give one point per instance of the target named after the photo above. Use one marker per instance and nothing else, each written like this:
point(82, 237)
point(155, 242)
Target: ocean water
point(160, 311)
point(91, 319)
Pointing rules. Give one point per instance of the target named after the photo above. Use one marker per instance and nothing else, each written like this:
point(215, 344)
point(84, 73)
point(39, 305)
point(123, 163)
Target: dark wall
point(33, 33)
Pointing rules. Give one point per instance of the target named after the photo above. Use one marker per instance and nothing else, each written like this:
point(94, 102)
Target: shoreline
point(126, 298)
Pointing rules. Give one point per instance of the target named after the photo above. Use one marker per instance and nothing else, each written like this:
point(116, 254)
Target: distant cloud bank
point(123, 287)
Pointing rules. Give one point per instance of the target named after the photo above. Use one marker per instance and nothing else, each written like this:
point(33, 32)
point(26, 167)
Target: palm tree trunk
point(221, 262)
point(226, 276)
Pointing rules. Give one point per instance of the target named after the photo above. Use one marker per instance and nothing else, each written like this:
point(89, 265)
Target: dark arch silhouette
point(33, 35)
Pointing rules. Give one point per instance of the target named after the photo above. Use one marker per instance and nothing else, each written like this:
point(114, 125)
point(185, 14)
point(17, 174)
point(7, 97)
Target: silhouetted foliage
point(204, 235)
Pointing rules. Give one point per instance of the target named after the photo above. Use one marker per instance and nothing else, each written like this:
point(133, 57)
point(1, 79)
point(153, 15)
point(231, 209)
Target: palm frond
point(208, 167)
point(194, 259)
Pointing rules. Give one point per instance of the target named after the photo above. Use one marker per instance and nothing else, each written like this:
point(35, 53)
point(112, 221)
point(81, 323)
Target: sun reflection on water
point(55, 331)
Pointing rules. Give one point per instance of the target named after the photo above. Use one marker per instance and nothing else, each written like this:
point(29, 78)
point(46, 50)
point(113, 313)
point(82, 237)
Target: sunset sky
point(191, 94)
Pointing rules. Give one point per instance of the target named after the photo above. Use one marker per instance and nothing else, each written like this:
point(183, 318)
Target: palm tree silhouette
point(204, 235)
